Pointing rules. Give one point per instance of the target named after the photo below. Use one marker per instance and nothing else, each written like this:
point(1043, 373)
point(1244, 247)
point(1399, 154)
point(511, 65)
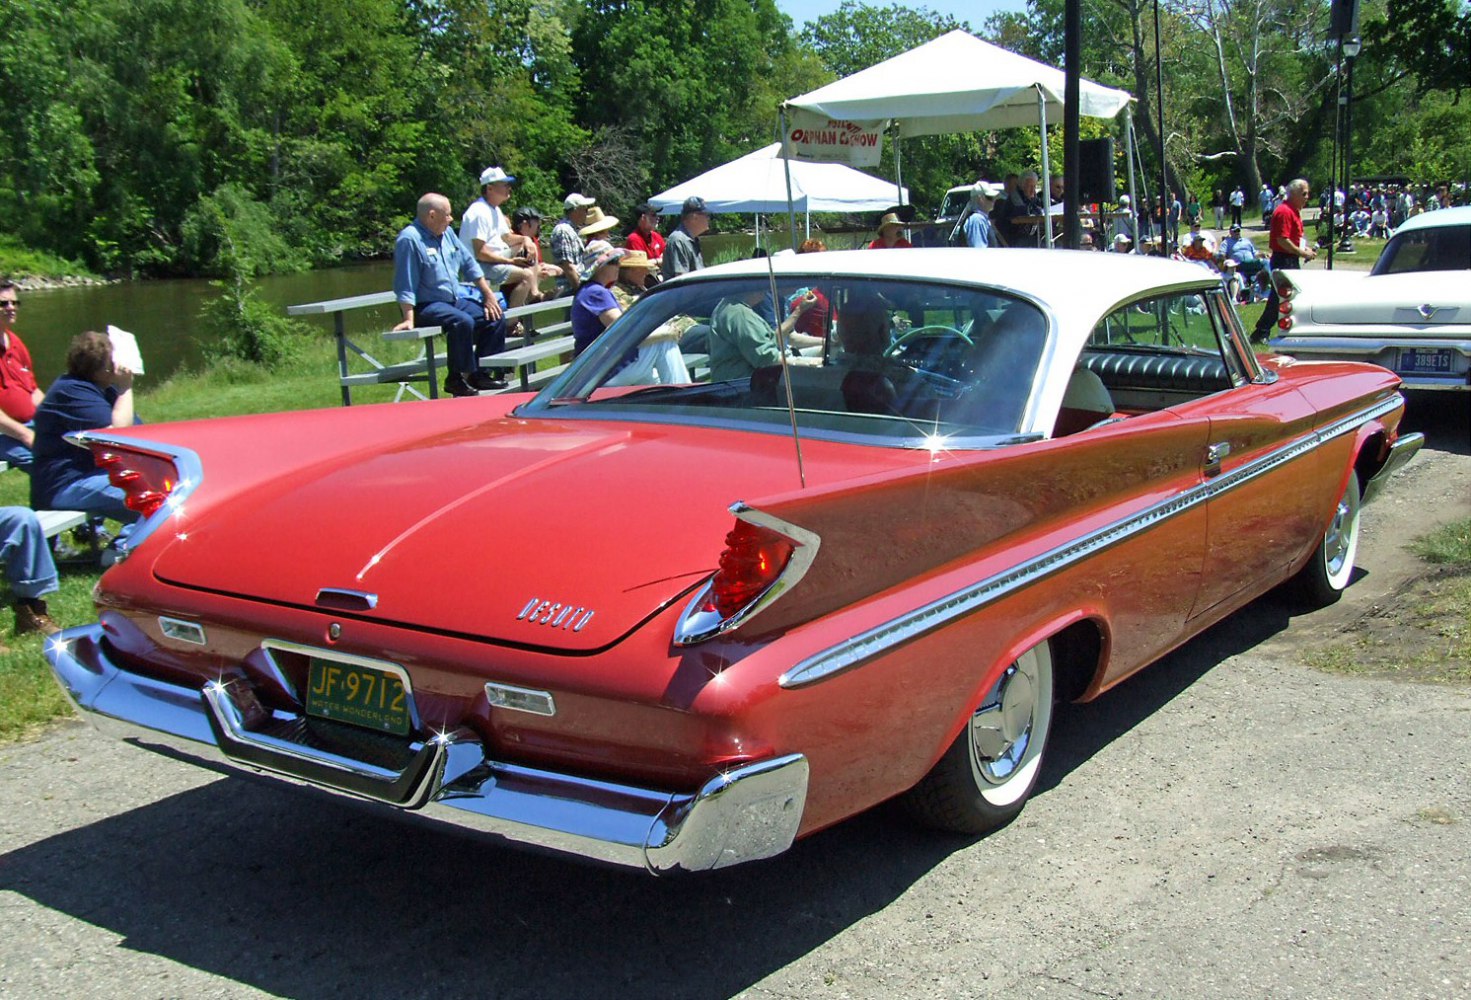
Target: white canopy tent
point(955, 83)
point(756, 184)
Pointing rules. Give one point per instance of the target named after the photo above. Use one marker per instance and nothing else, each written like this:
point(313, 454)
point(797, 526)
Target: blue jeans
point(95, 495)
point(468, 334)
point(27, 558)
point(15, 454)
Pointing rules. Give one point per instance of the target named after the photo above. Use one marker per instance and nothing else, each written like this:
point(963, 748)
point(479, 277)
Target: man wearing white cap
point(484, 230)
point(567, 245)
point(979, 230)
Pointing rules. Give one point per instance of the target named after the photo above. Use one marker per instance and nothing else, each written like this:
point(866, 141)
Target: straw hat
point(890, 219)
point(637, 258)
point(597, 222)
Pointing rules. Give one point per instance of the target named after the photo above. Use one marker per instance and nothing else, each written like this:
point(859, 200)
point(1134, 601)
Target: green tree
point(693, 82)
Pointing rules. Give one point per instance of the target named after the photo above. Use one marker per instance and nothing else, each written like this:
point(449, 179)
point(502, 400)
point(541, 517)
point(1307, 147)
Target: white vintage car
point(1410, 314)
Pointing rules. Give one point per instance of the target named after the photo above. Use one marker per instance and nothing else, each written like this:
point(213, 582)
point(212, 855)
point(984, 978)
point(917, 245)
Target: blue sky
point(974, 11)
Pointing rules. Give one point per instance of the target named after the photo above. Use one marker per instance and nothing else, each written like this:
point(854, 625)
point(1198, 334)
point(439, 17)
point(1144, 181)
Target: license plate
point(358, 695)
point(1413, 359)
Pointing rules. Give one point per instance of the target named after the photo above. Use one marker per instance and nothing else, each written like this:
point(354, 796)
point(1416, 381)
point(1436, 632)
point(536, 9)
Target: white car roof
point(1460, 216)
point(1074, 288)
point(1078, 287)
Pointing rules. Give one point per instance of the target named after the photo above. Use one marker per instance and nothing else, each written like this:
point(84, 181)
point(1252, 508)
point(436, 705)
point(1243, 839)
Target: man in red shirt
point(1288, 249)
point(645, 235)
point(19, 393)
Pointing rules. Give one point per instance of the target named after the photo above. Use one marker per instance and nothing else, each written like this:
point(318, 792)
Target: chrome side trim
point(697, 625)
point(1367, 344)
point(1400, 452)
point(186, 463)
point(750, 812)
point(922, 620)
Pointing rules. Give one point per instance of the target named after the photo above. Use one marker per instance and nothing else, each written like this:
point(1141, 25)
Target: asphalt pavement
point(1229, 823)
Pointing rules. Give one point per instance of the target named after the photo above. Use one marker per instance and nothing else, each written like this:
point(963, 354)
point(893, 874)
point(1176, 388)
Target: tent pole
point(1046, 169)
point(1132, 151)
point(898, 168)
point(787, 166)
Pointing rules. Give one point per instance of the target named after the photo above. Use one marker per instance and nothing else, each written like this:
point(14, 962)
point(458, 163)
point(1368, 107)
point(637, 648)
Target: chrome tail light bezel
point(700, 623)
point(186, 464)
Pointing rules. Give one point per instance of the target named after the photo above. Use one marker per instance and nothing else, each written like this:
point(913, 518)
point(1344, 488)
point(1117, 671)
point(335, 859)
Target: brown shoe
point(31, 616)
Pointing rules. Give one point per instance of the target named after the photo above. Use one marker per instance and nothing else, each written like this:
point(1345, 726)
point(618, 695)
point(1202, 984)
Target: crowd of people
point(93, 392)
point(465, 281)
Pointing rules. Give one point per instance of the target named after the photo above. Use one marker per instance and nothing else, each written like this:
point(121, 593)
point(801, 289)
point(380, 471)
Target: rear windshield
point(884, 362)
point(1441, 248)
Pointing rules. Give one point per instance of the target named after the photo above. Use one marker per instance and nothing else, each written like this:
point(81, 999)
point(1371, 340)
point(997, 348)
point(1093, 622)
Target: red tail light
point(753, 559)
point(145, 479)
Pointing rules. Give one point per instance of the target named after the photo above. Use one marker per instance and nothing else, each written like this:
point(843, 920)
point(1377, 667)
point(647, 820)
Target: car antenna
point(777, 310)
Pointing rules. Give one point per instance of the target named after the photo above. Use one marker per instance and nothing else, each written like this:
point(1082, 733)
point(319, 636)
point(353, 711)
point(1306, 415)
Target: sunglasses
point(9, 303)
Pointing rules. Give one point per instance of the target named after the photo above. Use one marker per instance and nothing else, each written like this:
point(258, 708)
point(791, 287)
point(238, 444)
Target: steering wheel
point(925, 332)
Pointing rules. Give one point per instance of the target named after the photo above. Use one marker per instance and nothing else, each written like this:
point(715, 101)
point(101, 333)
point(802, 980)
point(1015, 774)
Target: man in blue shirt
point(429, 262)
point(979, 229)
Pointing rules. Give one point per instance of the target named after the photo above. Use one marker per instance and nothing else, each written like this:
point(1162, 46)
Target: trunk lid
point(504, 531)
point(1421, 299)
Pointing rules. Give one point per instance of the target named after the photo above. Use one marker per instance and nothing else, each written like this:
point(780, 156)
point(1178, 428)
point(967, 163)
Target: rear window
point(879, 361)
point(1442, 248)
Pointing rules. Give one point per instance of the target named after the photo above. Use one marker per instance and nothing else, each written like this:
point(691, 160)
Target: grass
point(1450, 546)
point(19, 261)
point(1425, 633)
point(29, 698)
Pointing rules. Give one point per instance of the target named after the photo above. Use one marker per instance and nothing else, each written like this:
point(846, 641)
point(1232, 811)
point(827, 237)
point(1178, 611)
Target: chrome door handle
point(1214, 455)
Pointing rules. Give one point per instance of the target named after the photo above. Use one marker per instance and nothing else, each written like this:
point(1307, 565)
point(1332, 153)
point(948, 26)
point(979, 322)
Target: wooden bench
point(427, 366)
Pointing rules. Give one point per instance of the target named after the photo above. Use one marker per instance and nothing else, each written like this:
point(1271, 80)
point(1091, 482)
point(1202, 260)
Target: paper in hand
point(125, 353)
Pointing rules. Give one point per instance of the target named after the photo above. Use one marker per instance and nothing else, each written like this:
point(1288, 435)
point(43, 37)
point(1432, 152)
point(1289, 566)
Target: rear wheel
point(984, 779)
point(1327, 573)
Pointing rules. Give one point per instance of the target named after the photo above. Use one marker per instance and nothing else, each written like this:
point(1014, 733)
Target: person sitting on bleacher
point(19, 393)
point(484, 229)
point(93, 393)
point(29, 570)
point(594, 309)
point(429, 264)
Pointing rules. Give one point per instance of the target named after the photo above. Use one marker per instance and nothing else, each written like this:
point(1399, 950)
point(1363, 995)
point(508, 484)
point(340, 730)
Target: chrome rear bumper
point(748, 813)
point(1404, 448)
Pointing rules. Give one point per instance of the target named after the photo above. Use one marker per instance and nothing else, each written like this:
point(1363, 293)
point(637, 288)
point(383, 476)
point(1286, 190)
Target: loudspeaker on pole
point(1095, 170)
point(1343, 19)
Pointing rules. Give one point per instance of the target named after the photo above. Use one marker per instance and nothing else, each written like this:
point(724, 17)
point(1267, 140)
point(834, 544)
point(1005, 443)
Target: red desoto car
point(721, 584)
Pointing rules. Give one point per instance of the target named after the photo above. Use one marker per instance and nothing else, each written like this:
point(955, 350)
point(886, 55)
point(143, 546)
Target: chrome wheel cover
point(1009, 729)
point(1341, 540)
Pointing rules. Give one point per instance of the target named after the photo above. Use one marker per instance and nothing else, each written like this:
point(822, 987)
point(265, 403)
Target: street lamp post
point(1351, 48)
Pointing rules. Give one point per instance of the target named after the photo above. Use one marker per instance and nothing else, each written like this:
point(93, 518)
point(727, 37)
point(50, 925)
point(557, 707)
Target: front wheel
point(985, 777)
point(1327, 573)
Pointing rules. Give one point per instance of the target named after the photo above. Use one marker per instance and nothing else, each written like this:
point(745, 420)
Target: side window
point(1181, 322)
point(1155, 353)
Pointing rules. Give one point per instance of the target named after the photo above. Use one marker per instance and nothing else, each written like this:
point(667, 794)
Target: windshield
point(1438, 248)
point(954, 204)
point(879, 361)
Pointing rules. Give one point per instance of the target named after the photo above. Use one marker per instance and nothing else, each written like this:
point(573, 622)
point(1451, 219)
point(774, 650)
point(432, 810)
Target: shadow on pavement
point(313, 896)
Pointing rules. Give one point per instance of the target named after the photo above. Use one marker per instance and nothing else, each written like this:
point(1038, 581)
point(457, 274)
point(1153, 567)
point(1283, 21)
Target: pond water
point(165, 314)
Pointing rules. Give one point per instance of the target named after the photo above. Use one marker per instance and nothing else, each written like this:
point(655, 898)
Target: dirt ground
point(1409, 619)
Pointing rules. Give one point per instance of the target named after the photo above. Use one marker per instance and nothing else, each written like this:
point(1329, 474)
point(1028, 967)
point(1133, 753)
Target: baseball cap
point(491, 175)
point(575, 201)
point(692, 205)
